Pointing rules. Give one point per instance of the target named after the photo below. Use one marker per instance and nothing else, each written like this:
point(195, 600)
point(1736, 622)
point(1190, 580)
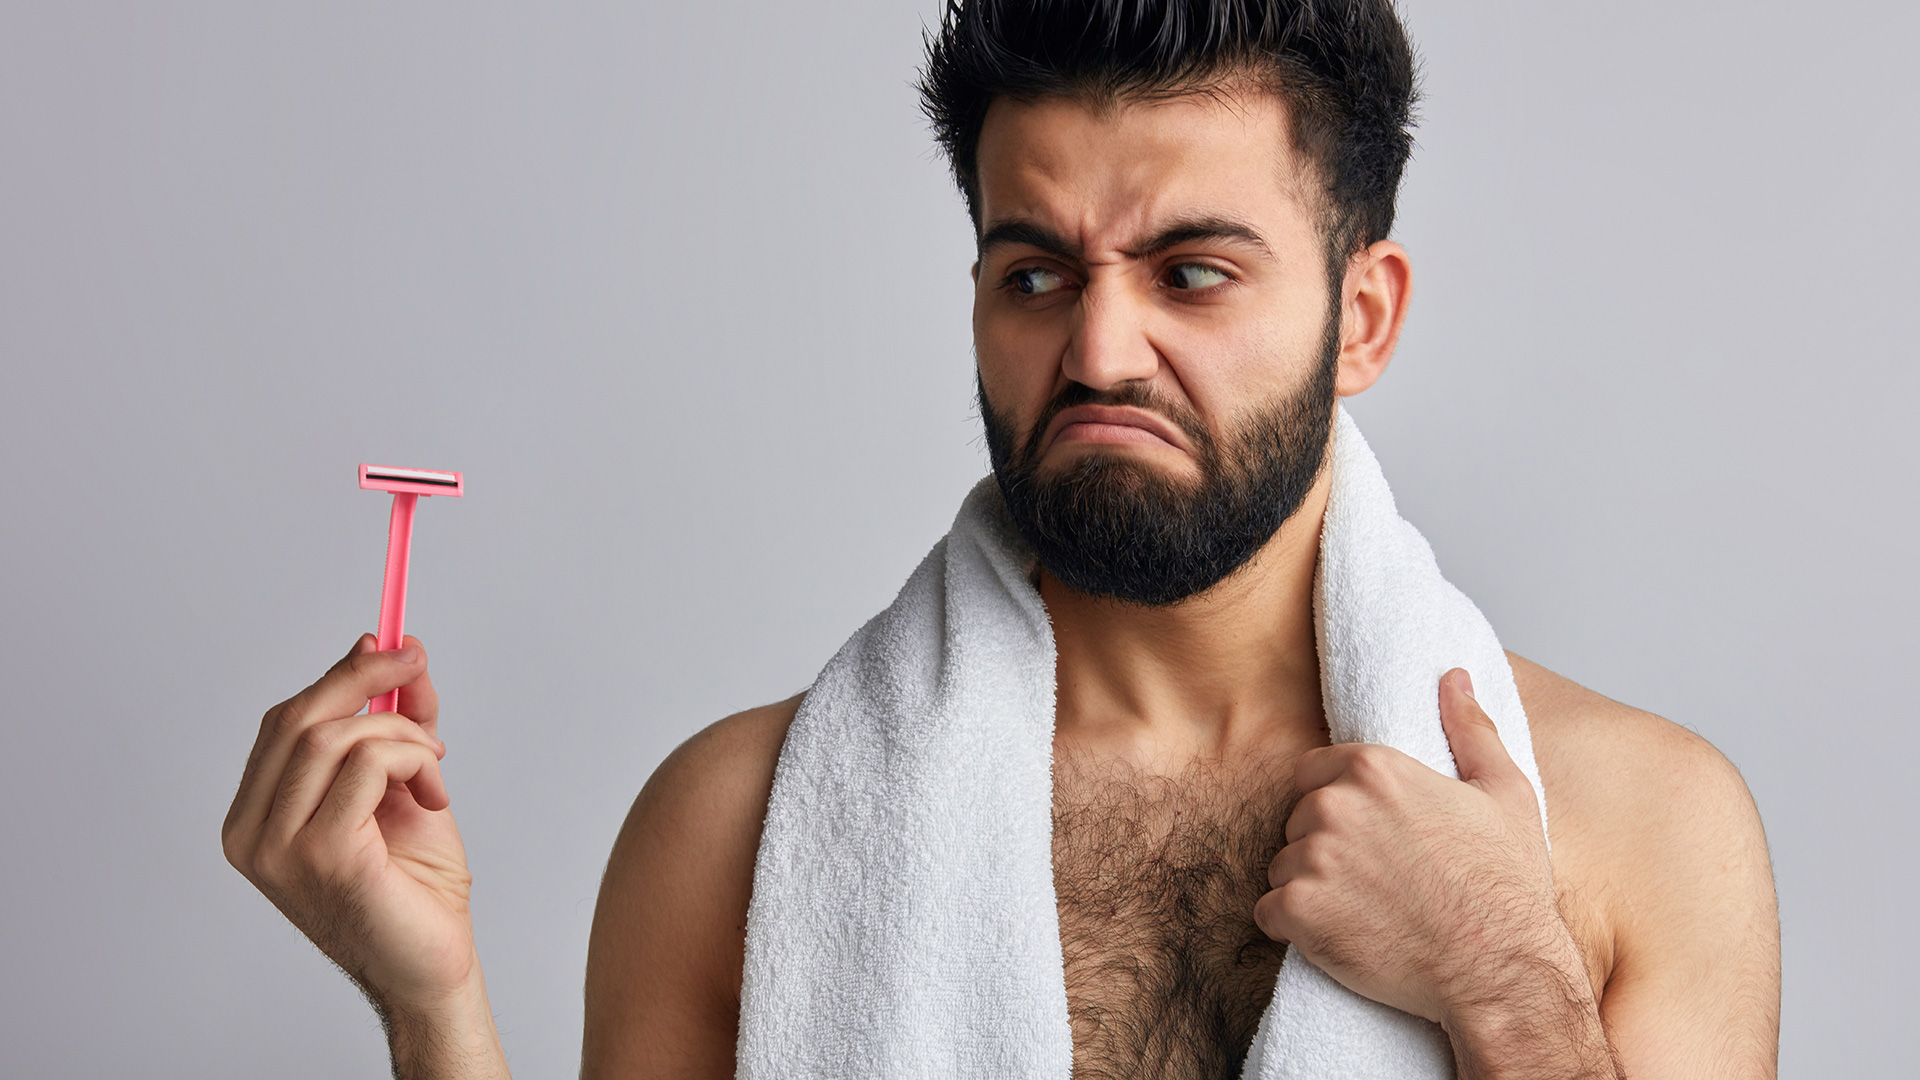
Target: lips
point(1111, 425)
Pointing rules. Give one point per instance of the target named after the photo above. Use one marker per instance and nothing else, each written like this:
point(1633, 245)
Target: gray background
point(683, 289)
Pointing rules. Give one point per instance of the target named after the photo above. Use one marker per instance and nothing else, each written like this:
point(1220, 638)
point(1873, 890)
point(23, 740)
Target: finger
point(1270, 914)
point(361, 676)
point(1266, 916)
point(342, 691)
point(315, 762)
point(264, 738)
point(1312, 856)
point(1288, 863)
point(1477, 750)
point(265, 762)
point(1322, 766)
point(368, 772)
point(418, 701)
point(1309, 815)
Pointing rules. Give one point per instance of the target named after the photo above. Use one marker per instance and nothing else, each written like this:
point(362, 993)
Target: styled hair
point(1343, 68)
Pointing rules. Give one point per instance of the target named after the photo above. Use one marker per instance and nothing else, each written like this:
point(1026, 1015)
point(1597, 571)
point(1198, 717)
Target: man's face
point(1155, 335)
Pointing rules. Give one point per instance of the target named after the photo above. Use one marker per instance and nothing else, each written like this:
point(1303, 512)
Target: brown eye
point(1195, 276)
point(1035, 281)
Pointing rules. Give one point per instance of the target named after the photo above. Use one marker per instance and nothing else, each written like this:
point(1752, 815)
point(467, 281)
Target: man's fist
point(1412, 888)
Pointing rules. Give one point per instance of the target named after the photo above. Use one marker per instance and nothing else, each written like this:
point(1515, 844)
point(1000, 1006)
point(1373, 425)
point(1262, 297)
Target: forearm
point(449, 1040)
point(1537, 1019)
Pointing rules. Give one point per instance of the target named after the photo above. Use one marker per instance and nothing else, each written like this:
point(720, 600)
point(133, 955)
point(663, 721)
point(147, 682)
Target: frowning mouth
point(1111, 425)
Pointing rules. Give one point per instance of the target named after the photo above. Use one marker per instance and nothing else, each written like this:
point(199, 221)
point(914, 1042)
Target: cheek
point(1223, 366)
point(1019, 360)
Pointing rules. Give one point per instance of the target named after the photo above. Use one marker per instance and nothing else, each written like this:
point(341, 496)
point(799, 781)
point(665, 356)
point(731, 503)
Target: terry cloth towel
point(903, 921)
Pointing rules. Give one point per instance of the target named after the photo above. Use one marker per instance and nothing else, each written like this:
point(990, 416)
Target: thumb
point(1477, 750)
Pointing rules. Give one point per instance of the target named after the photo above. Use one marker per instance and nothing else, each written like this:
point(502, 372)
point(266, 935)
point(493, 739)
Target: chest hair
point(1156, 879)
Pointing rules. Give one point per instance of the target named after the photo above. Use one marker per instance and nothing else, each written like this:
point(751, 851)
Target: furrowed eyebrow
point(1205, 228)
point(1029, 234)
point(1185, 231)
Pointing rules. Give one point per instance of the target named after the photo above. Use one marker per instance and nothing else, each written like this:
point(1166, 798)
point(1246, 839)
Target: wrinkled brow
point(1017, 231)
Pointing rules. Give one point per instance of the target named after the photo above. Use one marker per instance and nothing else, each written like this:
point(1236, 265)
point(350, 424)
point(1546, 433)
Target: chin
point(1119, 466)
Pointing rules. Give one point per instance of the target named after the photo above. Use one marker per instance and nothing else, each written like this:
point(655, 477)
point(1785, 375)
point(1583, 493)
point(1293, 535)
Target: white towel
point(903, 921)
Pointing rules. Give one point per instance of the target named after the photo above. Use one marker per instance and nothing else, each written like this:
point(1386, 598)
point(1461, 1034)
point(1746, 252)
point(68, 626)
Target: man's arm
point(1655, 834)
point(669, 930)
point(342, 821)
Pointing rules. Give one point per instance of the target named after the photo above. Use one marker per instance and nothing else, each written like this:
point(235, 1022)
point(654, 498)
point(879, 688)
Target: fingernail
point(1466, 682)
point(406, 654)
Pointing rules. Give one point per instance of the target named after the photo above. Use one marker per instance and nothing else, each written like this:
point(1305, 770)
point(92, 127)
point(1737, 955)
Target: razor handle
point(393, 592)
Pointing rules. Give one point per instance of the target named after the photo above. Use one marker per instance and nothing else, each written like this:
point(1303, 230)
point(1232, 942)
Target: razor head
point(411, 481)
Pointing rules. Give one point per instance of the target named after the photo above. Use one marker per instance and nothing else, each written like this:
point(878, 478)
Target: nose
point(1109, 343)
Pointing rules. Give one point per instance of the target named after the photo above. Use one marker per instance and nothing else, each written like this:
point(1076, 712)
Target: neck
point(1207, 679)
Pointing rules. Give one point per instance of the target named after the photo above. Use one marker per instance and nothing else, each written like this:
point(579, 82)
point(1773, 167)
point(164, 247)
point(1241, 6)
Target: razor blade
point(411, 481)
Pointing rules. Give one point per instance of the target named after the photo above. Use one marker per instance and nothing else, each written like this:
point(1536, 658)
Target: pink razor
point(407, 486)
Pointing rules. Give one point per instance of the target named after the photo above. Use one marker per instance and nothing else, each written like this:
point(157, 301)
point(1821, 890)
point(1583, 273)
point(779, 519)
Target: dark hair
point(1344, 70)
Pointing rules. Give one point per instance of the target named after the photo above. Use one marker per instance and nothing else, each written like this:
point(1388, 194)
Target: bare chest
point(1156, 879)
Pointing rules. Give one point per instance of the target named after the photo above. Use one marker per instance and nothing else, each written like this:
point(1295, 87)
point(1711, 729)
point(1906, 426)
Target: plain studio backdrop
point(683, 289)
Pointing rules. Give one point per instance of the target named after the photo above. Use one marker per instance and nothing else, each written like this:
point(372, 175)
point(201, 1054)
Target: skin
point(1645, 943)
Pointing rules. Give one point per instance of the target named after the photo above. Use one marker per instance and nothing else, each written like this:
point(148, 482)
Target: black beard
point(1111, 527)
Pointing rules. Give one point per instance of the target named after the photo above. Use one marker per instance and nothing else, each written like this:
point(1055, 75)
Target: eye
point(1035, 281)
point(1196, 276)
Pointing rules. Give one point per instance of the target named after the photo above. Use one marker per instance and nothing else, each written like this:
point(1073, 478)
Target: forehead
point(1104, 172)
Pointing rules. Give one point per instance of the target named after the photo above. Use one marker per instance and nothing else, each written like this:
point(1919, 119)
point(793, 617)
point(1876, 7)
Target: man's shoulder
point(664, 959)
point(1601, 759)
point(747, 741)
point(719, 779)
point(1657, 846)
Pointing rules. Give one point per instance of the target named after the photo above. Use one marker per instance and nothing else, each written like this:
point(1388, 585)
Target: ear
point(975, 271)
point(1373, 305)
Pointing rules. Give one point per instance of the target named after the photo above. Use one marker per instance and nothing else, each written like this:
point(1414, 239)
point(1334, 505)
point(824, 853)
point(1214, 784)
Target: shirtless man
point(1173, 265)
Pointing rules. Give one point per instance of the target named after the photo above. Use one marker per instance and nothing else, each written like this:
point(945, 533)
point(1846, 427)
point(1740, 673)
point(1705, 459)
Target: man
point(1182, 209)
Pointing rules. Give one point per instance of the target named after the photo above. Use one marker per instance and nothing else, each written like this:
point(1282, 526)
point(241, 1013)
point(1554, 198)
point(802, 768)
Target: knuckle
point(1376, 768)
point(1288, 912)
point(1323, 804)
point(1338, 808)
point(234, 850)
point(367, 755)
point(319, 740)
point(286, 719)
point(1313, 855)
point(264, 865)
point(309, 850)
